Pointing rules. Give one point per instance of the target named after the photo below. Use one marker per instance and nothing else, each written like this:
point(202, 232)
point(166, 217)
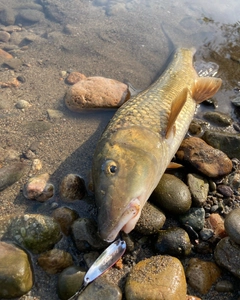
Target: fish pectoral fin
point(205, 87)
point(176, 107)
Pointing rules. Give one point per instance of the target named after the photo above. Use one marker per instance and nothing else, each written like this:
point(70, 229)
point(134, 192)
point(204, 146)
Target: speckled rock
point(201, 275)
point(206, 159)
point(232, 225)
point(173, 241)
point(12, 173)
point(36, 232)
point(157, 278)
point(38, 188)
point(16, 277)
point(216, 223)
point(151, 220)
point(96, 92)
point(65, 217)
point(101, 289)
point(69, 281)
point(72, 188)
point(226, 255)
point(218, 118)
point(195, 217)
point(55, 261)
point(229, 143)
point(199, 188)
point(74, 77)
point(172, 195)
point(85, 235)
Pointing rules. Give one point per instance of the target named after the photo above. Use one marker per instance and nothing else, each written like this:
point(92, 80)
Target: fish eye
point(110, 167)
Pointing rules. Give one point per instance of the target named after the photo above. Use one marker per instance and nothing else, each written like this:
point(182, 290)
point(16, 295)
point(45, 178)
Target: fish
point(140, 141)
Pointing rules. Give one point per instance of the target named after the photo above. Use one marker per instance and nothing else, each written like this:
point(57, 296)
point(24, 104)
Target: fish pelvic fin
point(176, 107)
point(205, 87)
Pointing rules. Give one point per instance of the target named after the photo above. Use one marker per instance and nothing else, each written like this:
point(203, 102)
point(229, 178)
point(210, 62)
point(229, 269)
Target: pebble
point(7, 16)
point(195, 217)
point(201, 275)
point(65, 217)
point(172, 195)
point(236, 101)
point(72, 188)
point(31, 15)
point(229, 143)
point(55, 261)
point(218, 118)
point(22, 104)
point(216, 223)
point(75, 77)
point(69, 281)
point(206, 234)
point(16, 273)
point(226, 255)
point(173, 241)
point(36, 165)
point(4, 36)
point(232, 225)
point(151, 220)
point(38, 188)
point(224, 286)
point(37, 233)
point(158, 277)
point(206, 159)
point(54, 114)
point(12, 173)
point(85, 235)
point(5, 55)
point(199, 188)
point(13, 63)
point(225, 190)
point(96, 92)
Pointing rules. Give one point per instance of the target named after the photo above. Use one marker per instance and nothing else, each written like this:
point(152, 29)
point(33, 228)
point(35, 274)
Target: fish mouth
point(127, 221)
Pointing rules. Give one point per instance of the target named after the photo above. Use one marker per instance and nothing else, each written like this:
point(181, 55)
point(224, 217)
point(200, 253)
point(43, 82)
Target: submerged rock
point(16, 277)
point(12, 173)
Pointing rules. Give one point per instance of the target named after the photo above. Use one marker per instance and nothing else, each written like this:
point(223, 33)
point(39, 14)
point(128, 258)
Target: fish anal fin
point(205, 87)
point(176, 107)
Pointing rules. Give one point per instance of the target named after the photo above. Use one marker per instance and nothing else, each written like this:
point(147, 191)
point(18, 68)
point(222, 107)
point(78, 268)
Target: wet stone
point(159, 277)
point(224, 286)
point(36, 232)
point(236, 101)
point(216, 223)
point(65, 217)
point(151, 220)
point(226, 255)
point(69, 281)
point(195, 217)
point(16, 277)
point(218, 118)
point(201, 275)
point(55, 261)
point(199, 188)
point(206, 234)
point(101, 289)
point(72, 188)
point(225, 190)
point(173, 241)
point(206, 159)
point(172, 195)
point(232, 225)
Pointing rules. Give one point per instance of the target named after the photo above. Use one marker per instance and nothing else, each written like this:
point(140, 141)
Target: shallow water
point(125, 40)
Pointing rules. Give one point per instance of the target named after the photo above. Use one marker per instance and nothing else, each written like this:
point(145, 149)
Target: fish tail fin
point(205, 87)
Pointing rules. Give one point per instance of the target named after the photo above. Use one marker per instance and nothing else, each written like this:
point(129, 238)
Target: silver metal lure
point(105, 261)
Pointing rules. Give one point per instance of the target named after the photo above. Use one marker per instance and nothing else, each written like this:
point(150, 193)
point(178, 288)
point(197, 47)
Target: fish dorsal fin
point(176, 107)
point(205, 87)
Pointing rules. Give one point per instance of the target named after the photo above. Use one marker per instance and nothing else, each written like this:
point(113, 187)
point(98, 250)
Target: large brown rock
point(206, 159)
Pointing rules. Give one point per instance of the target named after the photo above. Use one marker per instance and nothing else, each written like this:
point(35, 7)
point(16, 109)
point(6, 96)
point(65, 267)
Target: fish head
point(123, 179)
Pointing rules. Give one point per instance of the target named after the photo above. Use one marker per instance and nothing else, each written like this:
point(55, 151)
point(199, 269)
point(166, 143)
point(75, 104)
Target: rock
point(206, 234)
point(101, 289)
point(85, 234)
point(225, 190)
point(38, 188)
point(172, 195)
point(236, 101)
point(195, 217)
point(229, 143)
point(151, 220)
point(36, 165)
point(16, 277)
point(54, 114)
point(4, 36)
point(72, 188)
point(21, 104)
point(209, 161)
point(224, 286)
point(96, 92)
point(13, 63)
point(159, 277)
point(12, 173)
point(55, 261)
point(31, 15)
point(226, 254)
point(199, 188)
point(232, 225)
point(201, 275)
point(36, 232)
point(218, 118)
point(216, 223)
point(192, 298)
point(173, 241)
point(7, 16)
point(69, 281)
point(36, 127)
point(65, 217)
point(74, 77)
